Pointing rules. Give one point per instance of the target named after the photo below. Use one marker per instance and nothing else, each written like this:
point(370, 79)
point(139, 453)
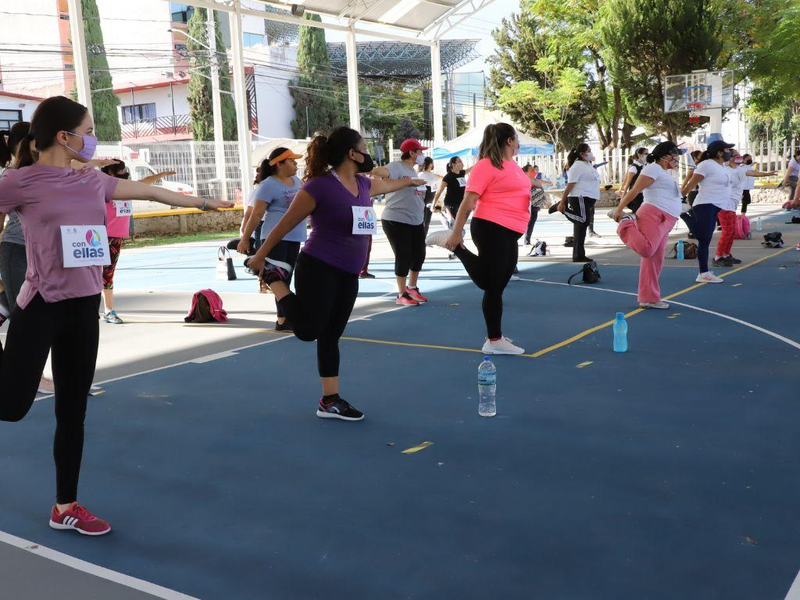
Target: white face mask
point(590, 157)
point(420, 160)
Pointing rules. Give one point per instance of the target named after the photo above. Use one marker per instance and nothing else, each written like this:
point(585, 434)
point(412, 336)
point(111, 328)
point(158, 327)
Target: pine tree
point(104, 102)
point(199, 96)
point(406, 130)
point(320, 103)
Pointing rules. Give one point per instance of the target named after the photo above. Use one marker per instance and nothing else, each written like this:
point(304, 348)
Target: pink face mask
point(738, 160)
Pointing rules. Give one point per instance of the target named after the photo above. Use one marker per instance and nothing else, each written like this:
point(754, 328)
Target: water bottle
point(758, 224)
point(487, 386)
point(620, 333)
point(680, 249)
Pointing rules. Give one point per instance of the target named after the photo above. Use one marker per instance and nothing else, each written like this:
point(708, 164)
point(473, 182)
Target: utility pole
point(219, 141)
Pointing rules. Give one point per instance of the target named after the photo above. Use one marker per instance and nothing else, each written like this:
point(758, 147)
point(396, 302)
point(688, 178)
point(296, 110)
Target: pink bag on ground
point(741, 230)
point(206, 306)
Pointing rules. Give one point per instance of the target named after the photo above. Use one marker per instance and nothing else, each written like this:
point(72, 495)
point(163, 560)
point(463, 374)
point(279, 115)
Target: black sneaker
point(553, 208)
point(733, 259)
point(283, 326)
point(338, 409)
point(366, 275)
point(721, 262)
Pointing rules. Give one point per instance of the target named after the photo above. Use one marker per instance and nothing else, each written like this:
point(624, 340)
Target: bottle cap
point(487, 357)
point(620, 315)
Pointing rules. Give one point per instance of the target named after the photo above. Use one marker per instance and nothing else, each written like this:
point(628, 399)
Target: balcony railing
point(143, 128)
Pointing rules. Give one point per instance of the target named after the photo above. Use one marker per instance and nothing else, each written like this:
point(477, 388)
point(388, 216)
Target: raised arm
point(380, 173)
point(641, 184)
point(127, 190)
point(456, 238)
point(302, 205)
point(387, 186)
point(259, 208)
point(692, 183)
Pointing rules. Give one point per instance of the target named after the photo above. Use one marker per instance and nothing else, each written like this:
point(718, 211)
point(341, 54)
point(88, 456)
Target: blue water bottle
point(620, 333)
point(680, 250)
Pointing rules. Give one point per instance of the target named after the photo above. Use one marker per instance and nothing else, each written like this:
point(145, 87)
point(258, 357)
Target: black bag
point(224, 269)
point(569, 241)
point(590, 272)
point(773, 240)
point(795, 220)
point(539, 249)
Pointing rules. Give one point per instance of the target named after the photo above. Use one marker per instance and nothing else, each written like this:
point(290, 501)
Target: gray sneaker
point(113, 318)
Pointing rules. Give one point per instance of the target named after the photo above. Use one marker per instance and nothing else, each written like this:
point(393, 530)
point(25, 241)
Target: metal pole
point(172, 97)
point(80, 61)
point(133, 113)
point(240, 98)
point(436, 93)
point(352, 80)
point(216, 103)
point(474, 109)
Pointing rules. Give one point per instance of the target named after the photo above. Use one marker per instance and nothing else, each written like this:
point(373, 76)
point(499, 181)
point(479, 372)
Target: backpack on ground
point(590, 272)
point(741, 228)
point(206, 306)
point(773, 240)
point(539, 249)
point(795, 221)
point(689, 251)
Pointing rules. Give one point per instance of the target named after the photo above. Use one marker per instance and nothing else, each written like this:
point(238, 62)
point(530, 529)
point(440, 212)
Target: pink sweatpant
point(727, 218)
point(648, 236)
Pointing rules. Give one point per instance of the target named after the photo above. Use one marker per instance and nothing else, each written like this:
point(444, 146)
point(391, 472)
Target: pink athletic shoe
point(78, 518)
point(414, 293)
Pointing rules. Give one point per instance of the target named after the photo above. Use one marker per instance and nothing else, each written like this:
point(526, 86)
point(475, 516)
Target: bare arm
point(562, 204)
point(256, 214)
point(127, 190)
point(245, 217)
point(626, 183)
point(442, 188)
point(753, 173)
point(694, 180)
point(380, 173)
point(456, 239)
point(153, 178)
point(686, 179)
point(386, 186)
point(302, 206)
point(643, 182)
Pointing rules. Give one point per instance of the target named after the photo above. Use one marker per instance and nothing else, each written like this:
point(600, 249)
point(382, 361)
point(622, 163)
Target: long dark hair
point(495, 138)
point(10, 140)
point(329, 151)
point(451, 164)
point(635, 154)
point(575, 154)
point(53, 115)
point(114, 169)
point(661, 150)
point(268, 170)
point(427, 163)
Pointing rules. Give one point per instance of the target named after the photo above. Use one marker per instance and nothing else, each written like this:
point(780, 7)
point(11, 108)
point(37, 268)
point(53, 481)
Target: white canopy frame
point(350, 16)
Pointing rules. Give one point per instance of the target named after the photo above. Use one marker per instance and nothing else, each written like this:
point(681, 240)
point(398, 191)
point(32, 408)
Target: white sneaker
point(501, 346)
point(661, 305)
point(438, 238)
point(708, 277)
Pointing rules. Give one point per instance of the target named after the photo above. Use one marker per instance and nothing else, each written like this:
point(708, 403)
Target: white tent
point(467, 145)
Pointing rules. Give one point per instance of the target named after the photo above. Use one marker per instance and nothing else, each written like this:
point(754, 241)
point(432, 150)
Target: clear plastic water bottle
point(620, 333)
point(680, 250)
point(758, 224)
point(487, 386)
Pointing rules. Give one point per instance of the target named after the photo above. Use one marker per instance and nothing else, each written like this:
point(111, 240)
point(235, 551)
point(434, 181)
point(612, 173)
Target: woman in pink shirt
point(500, 192)
point(118, 214)
point(63, 213)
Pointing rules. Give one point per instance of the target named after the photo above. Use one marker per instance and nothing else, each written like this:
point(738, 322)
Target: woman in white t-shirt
point(431, 180)
point(715, 181)
point(580, 196)
point(791, 176)
point(636, 163)
point(647, 232)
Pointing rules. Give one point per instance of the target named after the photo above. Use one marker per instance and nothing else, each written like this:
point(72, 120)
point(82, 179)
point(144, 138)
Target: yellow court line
point(409, 344)
point(422, 446)
point(583, 334)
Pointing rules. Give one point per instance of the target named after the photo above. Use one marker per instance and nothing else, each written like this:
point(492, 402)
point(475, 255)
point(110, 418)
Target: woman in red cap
point(403, 222)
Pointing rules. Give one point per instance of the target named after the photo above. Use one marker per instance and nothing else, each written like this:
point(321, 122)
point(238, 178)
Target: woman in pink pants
point(647, 232)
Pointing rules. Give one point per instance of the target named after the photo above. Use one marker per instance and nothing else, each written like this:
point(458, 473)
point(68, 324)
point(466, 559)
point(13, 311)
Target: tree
point(199, 96)
point(406, 130)
point(646, 40)
point(515, 76)
point(104, 101)
point(319, 102)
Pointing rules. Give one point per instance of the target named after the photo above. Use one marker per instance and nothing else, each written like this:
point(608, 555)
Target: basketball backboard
point(701, 90)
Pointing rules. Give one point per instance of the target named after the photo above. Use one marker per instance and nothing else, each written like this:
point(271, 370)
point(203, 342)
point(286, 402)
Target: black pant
point(286, 252)
point(580, 211)
point(745, 202)
point(70, 329)
point(13, 265)
point(701, 221)
point(491, 268)
point(408, 244)
point(531, 223)
point(321, 308)
point(426, 220)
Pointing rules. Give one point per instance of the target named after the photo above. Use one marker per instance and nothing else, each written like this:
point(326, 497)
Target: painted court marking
point(92, 569)
point(584, 364)
point(414, 449)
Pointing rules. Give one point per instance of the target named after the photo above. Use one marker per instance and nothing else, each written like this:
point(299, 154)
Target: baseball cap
point(717, 146)
point(411, 145)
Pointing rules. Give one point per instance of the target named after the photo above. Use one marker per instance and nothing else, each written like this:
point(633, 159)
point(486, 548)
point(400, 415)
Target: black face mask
point(748, 162)
point(123, 175)
point(367, 165)
point(726, 156)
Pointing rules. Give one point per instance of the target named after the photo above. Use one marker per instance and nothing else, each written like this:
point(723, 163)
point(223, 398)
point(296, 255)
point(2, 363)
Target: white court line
point(92, 569)
point(794, 591)
point(777, 336)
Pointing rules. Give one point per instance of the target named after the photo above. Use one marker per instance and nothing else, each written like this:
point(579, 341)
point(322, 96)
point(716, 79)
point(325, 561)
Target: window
point(181, 13)
point(138, 112)
point(253, 39)
point(9, 117)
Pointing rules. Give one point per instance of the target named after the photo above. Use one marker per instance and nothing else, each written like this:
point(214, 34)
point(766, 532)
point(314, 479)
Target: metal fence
point(170, 125)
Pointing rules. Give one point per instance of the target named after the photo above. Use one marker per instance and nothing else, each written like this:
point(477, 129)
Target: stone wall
point(186, 222)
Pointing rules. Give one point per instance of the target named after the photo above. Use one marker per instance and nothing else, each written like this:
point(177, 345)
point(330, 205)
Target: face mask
point(123, 175)
point(590, 157)
point(367, 165)
point(89, 146)
point(420, 160)
point(738, 160)
point(748, 162)
point(726, 156)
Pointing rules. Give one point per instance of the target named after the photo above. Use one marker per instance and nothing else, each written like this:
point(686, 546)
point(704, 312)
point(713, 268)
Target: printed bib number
point(462, 182)
point(123, 208)
point(85, 246)
point(364, 220)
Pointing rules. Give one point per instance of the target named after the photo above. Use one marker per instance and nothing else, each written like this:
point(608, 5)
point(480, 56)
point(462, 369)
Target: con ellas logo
point(91, 248)
point(368, 216)
point(367, 222)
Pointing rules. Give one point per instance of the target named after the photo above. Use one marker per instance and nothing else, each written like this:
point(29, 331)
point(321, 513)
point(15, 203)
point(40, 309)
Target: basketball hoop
point(695, 108)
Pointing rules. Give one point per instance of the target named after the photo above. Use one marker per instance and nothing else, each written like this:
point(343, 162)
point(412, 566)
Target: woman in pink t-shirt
point(63, 213)
point(118, 215)
point(500, 192)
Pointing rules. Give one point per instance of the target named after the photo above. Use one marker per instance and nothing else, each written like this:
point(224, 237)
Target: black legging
point(745, 203)
point(491, 268)
point(426, 220)
point(580, 210)
point(286, 252)
point(408, 245)
point(701, 221)
point(321, 308)
point(531, 223)
point(70, 329)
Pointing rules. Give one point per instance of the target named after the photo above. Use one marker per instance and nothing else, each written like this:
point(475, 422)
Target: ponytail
point(266, 170)
point(317, 158)
point(575, 154)
point(5, 150)
point(26, 155)
point(451, 163)
point(324, 152)
point(495, 138)
point(9, 147)
point(704, 156)
point(53, 115)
